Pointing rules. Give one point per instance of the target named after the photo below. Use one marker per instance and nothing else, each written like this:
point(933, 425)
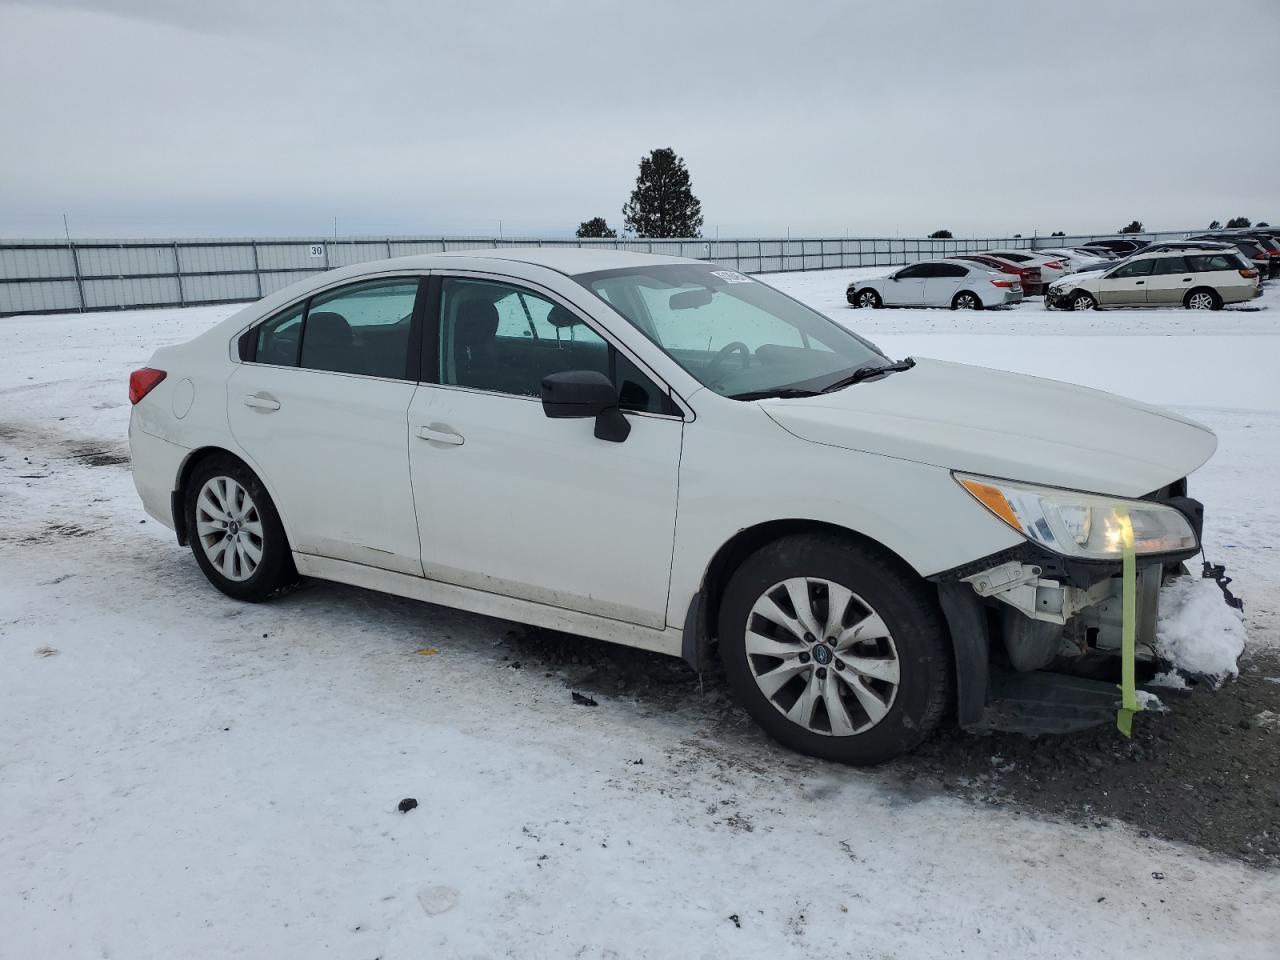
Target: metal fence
point(60, 276)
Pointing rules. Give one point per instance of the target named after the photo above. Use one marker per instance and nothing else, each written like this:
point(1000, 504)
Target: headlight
point(1082, 524)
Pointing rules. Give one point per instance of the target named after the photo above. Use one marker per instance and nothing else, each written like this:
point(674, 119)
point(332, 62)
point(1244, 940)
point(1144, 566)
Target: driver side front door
point(906, 287)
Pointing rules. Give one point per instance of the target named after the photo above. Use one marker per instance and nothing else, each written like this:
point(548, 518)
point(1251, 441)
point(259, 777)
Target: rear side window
point(361, 329)
point(1208, 263)
point(279, 338)
point(1166, 265)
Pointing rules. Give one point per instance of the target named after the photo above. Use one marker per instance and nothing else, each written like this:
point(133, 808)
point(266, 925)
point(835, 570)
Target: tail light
point(142, 382)
point(1249, 274)
point(1055, 265)
point(1003, 283)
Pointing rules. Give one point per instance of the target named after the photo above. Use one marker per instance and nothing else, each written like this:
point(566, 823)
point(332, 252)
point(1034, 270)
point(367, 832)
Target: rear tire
point(965, 300)
point(868, 298)
point(235, 531)
point(1202, 298)
point(1083, 301)
point(875, 678)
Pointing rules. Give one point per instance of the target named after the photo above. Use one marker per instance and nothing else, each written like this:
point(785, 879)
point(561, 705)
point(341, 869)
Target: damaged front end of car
point(1040, 630)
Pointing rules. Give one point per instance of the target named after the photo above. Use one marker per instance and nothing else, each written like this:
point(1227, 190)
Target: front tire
point(964, 300)
point(868, 298)
point(836, 649)
point(235, 531)
point(1083, 301)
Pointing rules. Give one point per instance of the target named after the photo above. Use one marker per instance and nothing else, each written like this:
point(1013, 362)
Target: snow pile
point(1197, 632)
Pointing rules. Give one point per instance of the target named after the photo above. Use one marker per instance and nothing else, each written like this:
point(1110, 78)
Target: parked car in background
point(953, 283)
point(1051, 268)
point(1032, 281)
point(1202, 278)
point(1073, 259)
point(669, 455)
point(1117, 245)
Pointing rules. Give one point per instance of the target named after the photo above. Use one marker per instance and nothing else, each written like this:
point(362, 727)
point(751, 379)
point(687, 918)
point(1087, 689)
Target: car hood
point(1008, 425)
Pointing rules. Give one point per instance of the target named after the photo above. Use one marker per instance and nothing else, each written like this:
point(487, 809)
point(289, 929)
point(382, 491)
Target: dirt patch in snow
point(1202, 772)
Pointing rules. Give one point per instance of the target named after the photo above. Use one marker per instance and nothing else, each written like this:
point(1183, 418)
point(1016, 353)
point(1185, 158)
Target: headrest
point(331, 328)
point(476, 323)
point(560, 317)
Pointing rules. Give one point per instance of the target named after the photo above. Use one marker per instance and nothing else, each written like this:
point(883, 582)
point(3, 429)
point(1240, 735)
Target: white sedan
point(663, 453)
point(956, 284)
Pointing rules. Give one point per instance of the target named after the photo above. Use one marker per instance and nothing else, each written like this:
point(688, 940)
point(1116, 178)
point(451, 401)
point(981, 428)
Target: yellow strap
point(1128, 627)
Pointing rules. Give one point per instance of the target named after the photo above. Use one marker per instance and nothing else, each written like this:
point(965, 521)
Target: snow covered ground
point(181, 775)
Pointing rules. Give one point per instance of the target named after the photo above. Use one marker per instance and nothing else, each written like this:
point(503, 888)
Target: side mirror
point(578, 394)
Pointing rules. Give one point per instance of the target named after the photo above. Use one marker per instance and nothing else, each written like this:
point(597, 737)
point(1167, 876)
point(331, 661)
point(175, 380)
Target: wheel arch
point(193, 459)
point(704, 608)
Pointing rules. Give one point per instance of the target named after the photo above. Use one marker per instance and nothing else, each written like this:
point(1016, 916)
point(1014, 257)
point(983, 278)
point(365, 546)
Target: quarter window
point(1209, 263)
point(506, 339)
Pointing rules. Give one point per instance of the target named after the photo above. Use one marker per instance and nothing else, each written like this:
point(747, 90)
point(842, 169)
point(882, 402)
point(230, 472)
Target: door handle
point(1140, 283)
point(261, 403)
point(438, 433)
point(1187, 279)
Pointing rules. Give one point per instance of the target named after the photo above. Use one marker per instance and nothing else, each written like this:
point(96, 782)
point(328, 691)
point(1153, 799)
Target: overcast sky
point(238, 117)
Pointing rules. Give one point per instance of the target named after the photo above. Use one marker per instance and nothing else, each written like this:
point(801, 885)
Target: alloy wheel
point(866, 299)
point(822, 656)
point(966, 301)
point(229, 528)
point(1200, 301)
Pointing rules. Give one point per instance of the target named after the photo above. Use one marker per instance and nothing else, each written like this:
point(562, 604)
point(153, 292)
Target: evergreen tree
point(1263, 223)
point(1215, 225)
point(1239, 222)
point(663, 204)
point(1057, 233)
point(1134, 227)
point(940, 235)
point(596, 228)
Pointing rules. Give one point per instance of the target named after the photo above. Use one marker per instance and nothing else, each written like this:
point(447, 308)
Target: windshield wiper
point(866, 373)
point(779, 392)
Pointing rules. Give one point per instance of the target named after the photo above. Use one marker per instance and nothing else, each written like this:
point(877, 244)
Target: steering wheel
point(737, 346)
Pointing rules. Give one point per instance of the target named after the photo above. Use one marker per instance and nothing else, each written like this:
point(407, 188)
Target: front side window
point(913, 273)
point(1137, 268)
point(733, 334)
point(503, 338)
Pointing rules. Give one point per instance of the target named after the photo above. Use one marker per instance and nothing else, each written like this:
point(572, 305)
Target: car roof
point(563, 259)
point(1183, 248)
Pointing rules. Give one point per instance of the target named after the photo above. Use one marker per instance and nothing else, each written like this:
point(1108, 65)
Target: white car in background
point(670, 455)
point(955, 284)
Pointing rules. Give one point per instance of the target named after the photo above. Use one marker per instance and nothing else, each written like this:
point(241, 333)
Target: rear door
point(942, 283)
point(1170, 280)
point(1126, 285)
point(319, 405)
point(906, 287)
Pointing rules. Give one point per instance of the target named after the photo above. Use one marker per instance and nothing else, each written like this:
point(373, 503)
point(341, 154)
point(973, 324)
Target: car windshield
point(739, 337)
